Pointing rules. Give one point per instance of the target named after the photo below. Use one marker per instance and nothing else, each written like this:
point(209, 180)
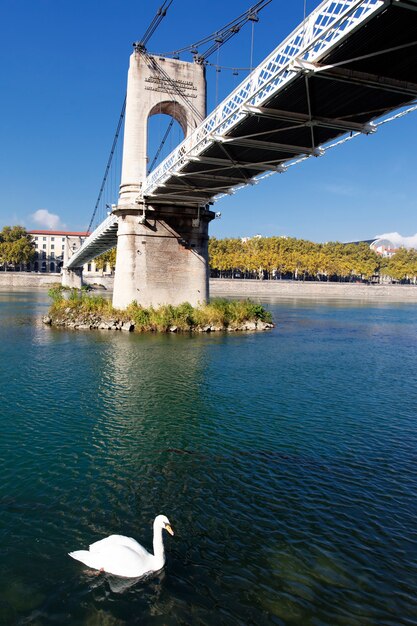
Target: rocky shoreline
point(97, 322)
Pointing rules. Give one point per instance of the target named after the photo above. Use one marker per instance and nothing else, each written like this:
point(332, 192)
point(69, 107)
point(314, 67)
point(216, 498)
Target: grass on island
point(218, 313)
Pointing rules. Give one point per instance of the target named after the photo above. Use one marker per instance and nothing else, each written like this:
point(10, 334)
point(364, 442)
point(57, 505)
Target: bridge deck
point(102, 239)
point(317, 96)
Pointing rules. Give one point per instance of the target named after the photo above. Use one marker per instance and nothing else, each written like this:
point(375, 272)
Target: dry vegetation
point(79, 309)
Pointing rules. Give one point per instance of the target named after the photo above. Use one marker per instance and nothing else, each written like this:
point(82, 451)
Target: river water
point(285, 461)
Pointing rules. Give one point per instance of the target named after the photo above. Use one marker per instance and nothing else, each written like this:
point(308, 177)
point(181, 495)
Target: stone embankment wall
point(239, 288)
point(297, 289)
point(32, 280)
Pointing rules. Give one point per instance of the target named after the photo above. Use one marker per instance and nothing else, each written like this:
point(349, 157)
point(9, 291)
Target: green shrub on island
point(77, 301)
point(79, 308)
point(55, 292)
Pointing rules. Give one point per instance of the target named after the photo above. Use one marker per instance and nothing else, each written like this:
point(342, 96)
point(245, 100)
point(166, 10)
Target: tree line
point(262, 258)
point(299, 259)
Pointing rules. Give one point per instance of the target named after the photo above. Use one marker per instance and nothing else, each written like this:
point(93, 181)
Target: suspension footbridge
point(349, 68)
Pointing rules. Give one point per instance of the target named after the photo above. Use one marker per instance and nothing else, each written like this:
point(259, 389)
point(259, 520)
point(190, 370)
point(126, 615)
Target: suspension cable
point(221, 36)
point(158, 152)
point(160, 14)
point(228, 67)
point(140, 46)
point(109, 162)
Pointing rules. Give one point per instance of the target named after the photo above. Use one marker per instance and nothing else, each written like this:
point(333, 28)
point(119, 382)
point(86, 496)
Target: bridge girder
point(295, 75)
point(354, 77)
point(406, 4)
point(264, 166)
point(302, 119)
point(266, 145)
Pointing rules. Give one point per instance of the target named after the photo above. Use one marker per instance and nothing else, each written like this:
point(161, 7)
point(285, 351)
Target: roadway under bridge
point(349, 64)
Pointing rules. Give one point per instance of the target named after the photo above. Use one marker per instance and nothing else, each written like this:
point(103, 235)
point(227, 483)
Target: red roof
point(58, 232)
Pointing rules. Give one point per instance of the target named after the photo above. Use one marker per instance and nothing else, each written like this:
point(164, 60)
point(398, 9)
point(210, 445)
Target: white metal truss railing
point(328, 147)
point(77, 259)
point(320, 31)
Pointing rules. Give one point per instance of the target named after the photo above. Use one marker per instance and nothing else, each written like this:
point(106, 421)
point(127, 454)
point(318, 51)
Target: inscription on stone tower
point(183, 87)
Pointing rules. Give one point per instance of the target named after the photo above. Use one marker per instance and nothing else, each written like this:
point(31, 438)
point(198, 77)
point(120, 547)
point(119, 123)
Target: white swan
point(123, 556)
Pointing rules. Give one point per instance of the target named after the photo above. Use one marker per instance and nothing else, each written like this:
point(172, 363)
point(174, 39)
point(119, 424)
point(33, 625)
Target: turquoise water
point(285, 461)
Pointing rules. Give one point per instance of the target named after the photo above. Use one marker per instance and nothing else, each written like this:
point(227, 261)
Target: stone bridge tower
point(162, 250)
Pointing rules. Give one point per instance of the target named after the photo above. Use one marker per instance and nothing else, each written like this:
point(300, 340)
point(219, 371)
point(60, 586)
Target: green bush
point(75, 296)
point(184, 316)
point(162, 318)
point(139, 316)
point(246, 310)
point(55, 293)
point(214, 313)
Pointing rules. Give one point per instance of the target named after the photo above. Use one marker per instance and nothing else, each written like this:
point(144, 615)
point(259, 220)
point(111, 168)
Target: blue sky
point(63, 66)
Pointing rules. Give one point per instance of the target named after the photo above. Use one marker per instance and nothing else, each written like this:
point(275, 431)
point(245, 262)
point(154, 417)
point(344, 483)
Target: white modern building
point(384, 247)
point(52, 247)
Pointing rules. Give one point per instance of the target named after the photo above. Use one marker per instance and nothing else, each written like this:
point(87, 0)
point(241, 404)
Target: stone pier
point(162, 250)
point(164, 259)
point(72, 278)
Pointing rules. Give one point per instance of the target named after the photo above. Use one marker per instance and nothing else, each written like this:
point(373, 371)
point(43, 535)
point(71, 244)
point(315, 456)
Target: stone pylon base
point(72, 278)
point(163, 260)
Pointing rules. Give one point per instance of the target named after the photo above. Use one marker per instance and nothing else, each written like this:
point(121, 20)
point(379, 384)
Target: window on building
point(44, 238)
point(52, 246)
point(63, 238)
point(89, 267)
point(52, 255)
point(63, 246)
point(52, 238)
point(44, 246)
point(36, 255)
point(43, 254)
point(36, 239)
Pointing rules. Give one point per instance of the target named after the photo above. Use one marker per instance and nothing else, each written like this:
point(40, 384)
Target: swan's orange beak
point(169, 529)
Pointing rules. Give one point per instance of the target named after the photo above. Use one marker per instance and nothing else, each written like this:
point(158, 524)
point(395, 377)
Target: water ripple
point(285, 461)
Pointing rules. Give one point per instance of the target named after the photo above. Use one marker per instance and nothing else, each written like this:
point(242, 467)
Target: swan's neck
point(158, 546)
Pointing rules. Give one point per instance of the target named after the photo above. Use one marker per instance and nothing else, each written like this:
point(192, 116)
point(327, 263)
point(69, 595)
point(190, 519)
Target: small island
point(78, 309)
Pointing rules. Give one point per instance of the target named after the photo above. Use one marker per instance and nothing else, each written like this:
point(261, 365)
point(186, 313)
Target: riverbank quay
point(260, 289)
point(34, 280)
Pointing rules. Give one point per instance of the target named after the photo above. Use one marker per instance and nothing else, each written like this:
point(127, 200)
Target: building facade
point(53, 247)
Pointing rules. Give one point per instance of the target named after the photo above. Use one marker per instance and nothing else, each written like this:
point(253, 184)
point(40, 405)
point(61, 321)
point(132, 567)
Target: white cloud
point(42, 217)
point(339, 189)
point(400, 241)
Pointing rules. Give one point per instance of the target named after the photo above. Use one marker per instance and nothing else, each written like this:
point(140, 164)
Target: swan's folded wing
point(116, 559)
point(118, 540)
point(86, 557)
